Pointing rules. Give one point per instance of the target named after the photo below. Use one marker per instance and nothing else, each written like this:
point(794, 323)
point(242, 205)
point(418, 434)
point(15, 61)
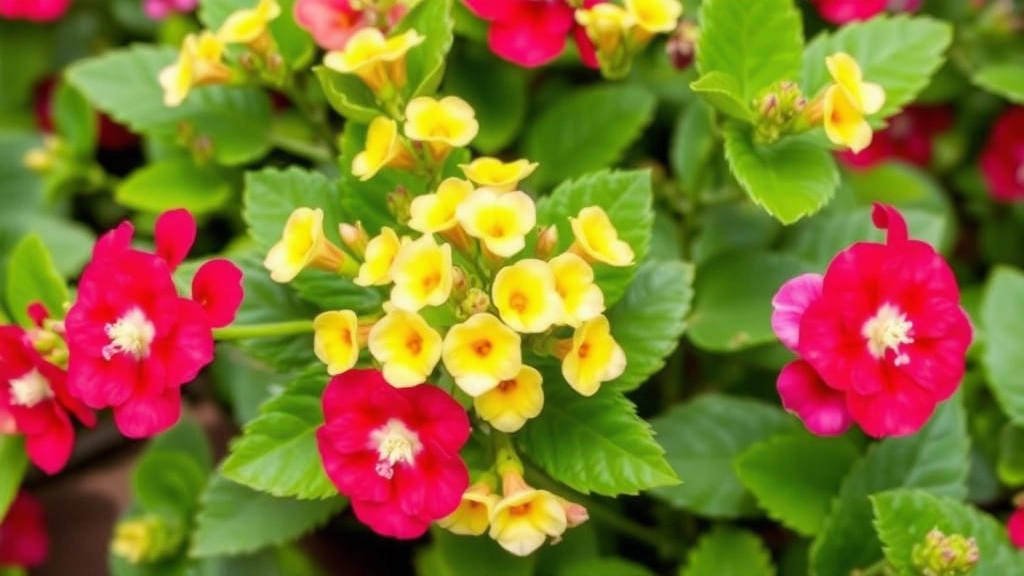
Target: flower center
point(482, 348)
point(394, 443)
point(132, 334)
point(30, 389)
point(888, 329)
point(518, 302)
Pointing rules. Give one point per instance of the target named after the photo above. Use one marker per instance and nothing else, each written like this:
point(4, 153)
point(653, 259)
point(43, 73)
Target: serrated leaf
point(608, 566)
point(900, 53)
point(795, 494)
point(14, 463)
point(596, 444)
point(1006, 80)
point(757, 43)
point(627, 198)
point(724, 93)
point(32, 277)
point(934, 459)
point(586, 130)
point(174, 183)
point(701, 439)
point(791, 178)
point(292, 40)
point(277, 452)
point(650, 319)
point(904, 517)
point(1004, 366)
point(425, 63)
point(234, 519)
point(728, 551)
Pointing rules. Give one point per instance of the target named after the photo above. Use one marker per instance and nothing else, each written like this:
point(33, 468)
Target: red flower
point(886, 336)
point(132, 340)
point(844, 11)
point(333, 22)
point(394, 452)
point(23, 539)
point(532, 33)
point(34, 10)
point(1002, 159)
point(112, 136)
point(908, 137)
point(1015, 526)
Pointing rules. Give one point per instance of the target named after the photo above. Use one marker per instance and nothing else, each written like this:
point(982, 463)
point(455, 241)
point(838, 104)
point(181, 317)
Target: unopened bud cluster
point(945, 555)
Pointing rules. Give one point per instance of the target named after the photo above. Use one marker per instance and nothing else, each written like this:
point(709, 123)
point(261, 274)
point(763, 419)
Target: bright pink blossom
point(24, 542)
point(394, 452)
point(908, 137)
point(844, 11)
point(886, 335)
point(160, 9)
point(34, 10)
point(1002, 159)
point(333, 22)
point(532, 33)
point(1015, 526)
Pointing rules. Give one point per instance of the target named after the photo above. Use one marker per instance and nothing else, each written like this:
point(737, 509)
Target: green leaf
point(596, 444)
point(31, 277)
point(586, 130)
point(904, 517)
point(33, 47)
point(650, 318)
point(693, 146)
point(425, 63)
point(757, 43)
point(900, 53)
point(277, 452)
point(733, 226)
point(728, 551)
point(172, 472)
point(174, 183)
point(701, 440)
point(795, 494)
point(348, 95)
point(1010, 465)
point(724, 93)
point(74, 120)
point(627, 197)
point(1006, 80)
point(791, 178)
point(235, 519)
point(451, 555)
point(293, 41)
point(500, 103)
point(730, 312)
point(14, 463)
point(934, 459)
point(608, 566)
point(1001, 358)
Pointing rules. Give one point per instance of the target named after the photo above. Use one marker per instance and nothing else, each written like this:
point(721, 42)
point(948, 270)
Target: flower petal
point(387, 519)
point(175, 233)
point(50, 449)
point(143, 416)
point(899, 409)
point(217, 287)
point(822, 409)
point(789, 304)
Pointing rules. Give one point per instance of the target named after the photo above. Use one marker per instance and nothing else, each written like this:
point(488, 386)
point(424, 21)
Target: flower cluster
point(881, 336)
point(333, 22)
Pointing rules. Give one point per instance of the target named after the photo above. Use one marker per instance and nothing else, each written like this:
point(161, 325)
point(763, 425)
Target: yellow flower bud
point(597, 240)
point(406, 346)
point(525, 296)
point(499, 220)
point(380, 255)
point(422, 273)
point(654, 16)
point(146, 539)
point(473, 515)
point(480, 353)
point(336, 340)
point(377, 60)
point(303, 245)
point(512, 402)
point(524, 519)
point(582, 299)
point(435, 212)
point(200, 63)
point(594, 357)
point(383, 148)
point(607, 25)
point(248, 25)
point(443, 124)
point(495, 174)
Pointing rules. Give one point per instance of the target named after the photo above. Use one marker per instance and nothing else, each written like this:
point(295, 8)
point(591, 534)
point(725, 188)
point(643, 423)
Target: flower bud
point(399, 204)
point(682, 44)
point(355, 237)
point(942, 555)
point(146, 539)
point(547, 241)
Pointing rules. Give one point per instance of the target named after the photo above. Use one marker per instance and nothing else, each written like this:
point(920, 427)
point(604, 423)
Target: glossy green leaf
point(733, 226)
point(348, 95)
point(608, 566)
point(1001, 357)
point(32, 277)
point(724, 93)
point(14, 463)
point(74, 120)
point(172, 472)
point(692, 147)
point(425, 63)
point(174, 183)
point(1010, 465)
point(1006, 80)
point(727, 551)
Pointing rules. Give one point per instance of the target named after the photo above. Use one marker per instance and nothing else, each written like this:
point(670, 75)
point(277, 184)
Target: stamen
point(131, 334)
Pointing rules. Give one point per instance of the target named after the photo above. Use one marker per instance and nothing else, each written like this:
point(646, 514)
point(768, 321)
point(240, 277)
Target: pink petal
point(175, 233)
point(886, 217)
point(494, 9)
point(354, 475)
point(586, 48)
point(24, 540)
point(1015, 526)
point(101, 383)
point(433, 488)
point(387, 519)
point(438, 417)
point(364, 391)
point(899, 409)
point(114, 241)
point(188, 347)
point(149, 415)
point(50, 449)
point(217, 287)
point(523, 44)
point(789, 304)
point(822, 409)
point(38, 313)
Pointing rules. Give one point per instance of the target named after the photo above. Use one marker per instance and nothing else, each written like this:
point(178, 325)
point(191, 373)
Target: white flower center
point(30, 389)
point(888, 329)
point(394, 443)
point(132, 334)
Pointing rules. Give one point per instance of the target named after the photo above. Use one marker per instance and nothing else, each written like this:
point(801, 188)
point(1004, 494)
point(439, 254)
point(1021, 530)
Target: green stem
point(880, 568)
point(267, 330)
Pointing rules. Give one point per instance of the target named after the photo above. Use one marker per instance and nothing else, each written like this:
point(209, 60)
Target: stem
point(267, 330)
point(880, 568)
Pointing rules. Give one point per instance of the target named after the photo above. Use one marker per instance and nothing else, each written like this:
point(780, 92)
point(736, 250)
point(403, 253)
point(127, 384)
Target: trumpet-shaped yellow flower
point(582, 299)
point(499, 220)
point(654, 16)
point(377, 60)
point(866, 97)
point(607, 25)
point(495, 174)
point(200, 63)
point(525, 296)
point(450, 121)
point(844, 123)
point(406, 346)
point(512, 402)
point(247, 25)
point(379, 256)
point(597, 239)
point(383, 148)
point(303, 245)
point(595, 357)
point(336, 340)
point(422, 273)
point(435, 212)
point(473, 515)
point(524, 519)
point(480, 353)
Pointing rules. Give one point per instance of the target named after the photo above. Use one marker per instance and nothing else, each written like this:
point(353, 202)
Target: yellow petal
point(335, 340)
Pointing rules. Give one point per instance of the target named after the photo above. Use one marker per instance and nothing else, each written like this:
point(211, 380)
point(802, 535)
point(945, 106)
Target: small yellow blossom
point(582, 299)
point(145, 539)
point(597, 239)
point(524, 294)
point(499, 220)
point(435, 212)
point(379, 256)
point(480, 353)
point(443, 124)
point(844, 123)
point(866, 97)
point(248, 25)
point(595, 357)
point(377, 60)
point(406, 346)
point(383, 148)
point(200, 63)
point(512, 402)
point(422, 273)
point(607, 25)
point(473, 515)
point(336, 340)
point(524, 519)
point(303, 245)
point(497, 175)
point(654, 16)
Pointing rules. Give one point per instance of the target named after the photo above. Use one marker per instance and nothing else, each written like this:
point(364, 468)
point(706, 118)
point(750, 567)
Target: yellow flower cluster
point(848, 101)
point(620, 32)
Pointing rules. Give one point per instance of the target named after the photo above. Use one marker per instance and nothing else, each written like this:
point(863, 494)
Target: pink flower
point(908, 137)
point(160, 9)
point(1002, 159)
point(23, 539)
point(132, 340)
point(886, 337)
point(394, 452)
point(34, 10)
point(333, 22)
point(844, 11)
point(532, 33)
point(1015, 526)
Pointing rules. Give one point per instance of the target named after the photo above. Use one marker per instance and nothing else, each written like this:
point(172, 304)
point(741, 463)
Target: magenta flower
point(160, 9)
point(394, 452)
point(1002, 159)
point(33, 10)
point(1015, 526)
point(24, 542)
point(844, 11)
point(532, 33)
point(333, 22)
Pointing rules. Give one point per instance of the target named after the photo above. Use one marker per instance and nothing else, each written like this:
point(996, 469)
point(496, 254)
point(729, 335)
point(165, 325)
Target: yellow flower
point(866, 97)
point(406, 346)
point(498, 175)
point(422, 273)
point(595, 357)
point(303, 245)
point(654, 16)
point(336, 340)
point(844, 123)
point(524, 519)
point(607, 25)
point(480, 353)
point(379, 256)
point(473, 515)
point(582, 299)
point(597, 239)
point(525, 296)
point(442, 124)
point(383, 148)
point(512, 402)
point(377, 60)
point(247, 25)
point(435, 212)
point(199, 64)
point(499, 220)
